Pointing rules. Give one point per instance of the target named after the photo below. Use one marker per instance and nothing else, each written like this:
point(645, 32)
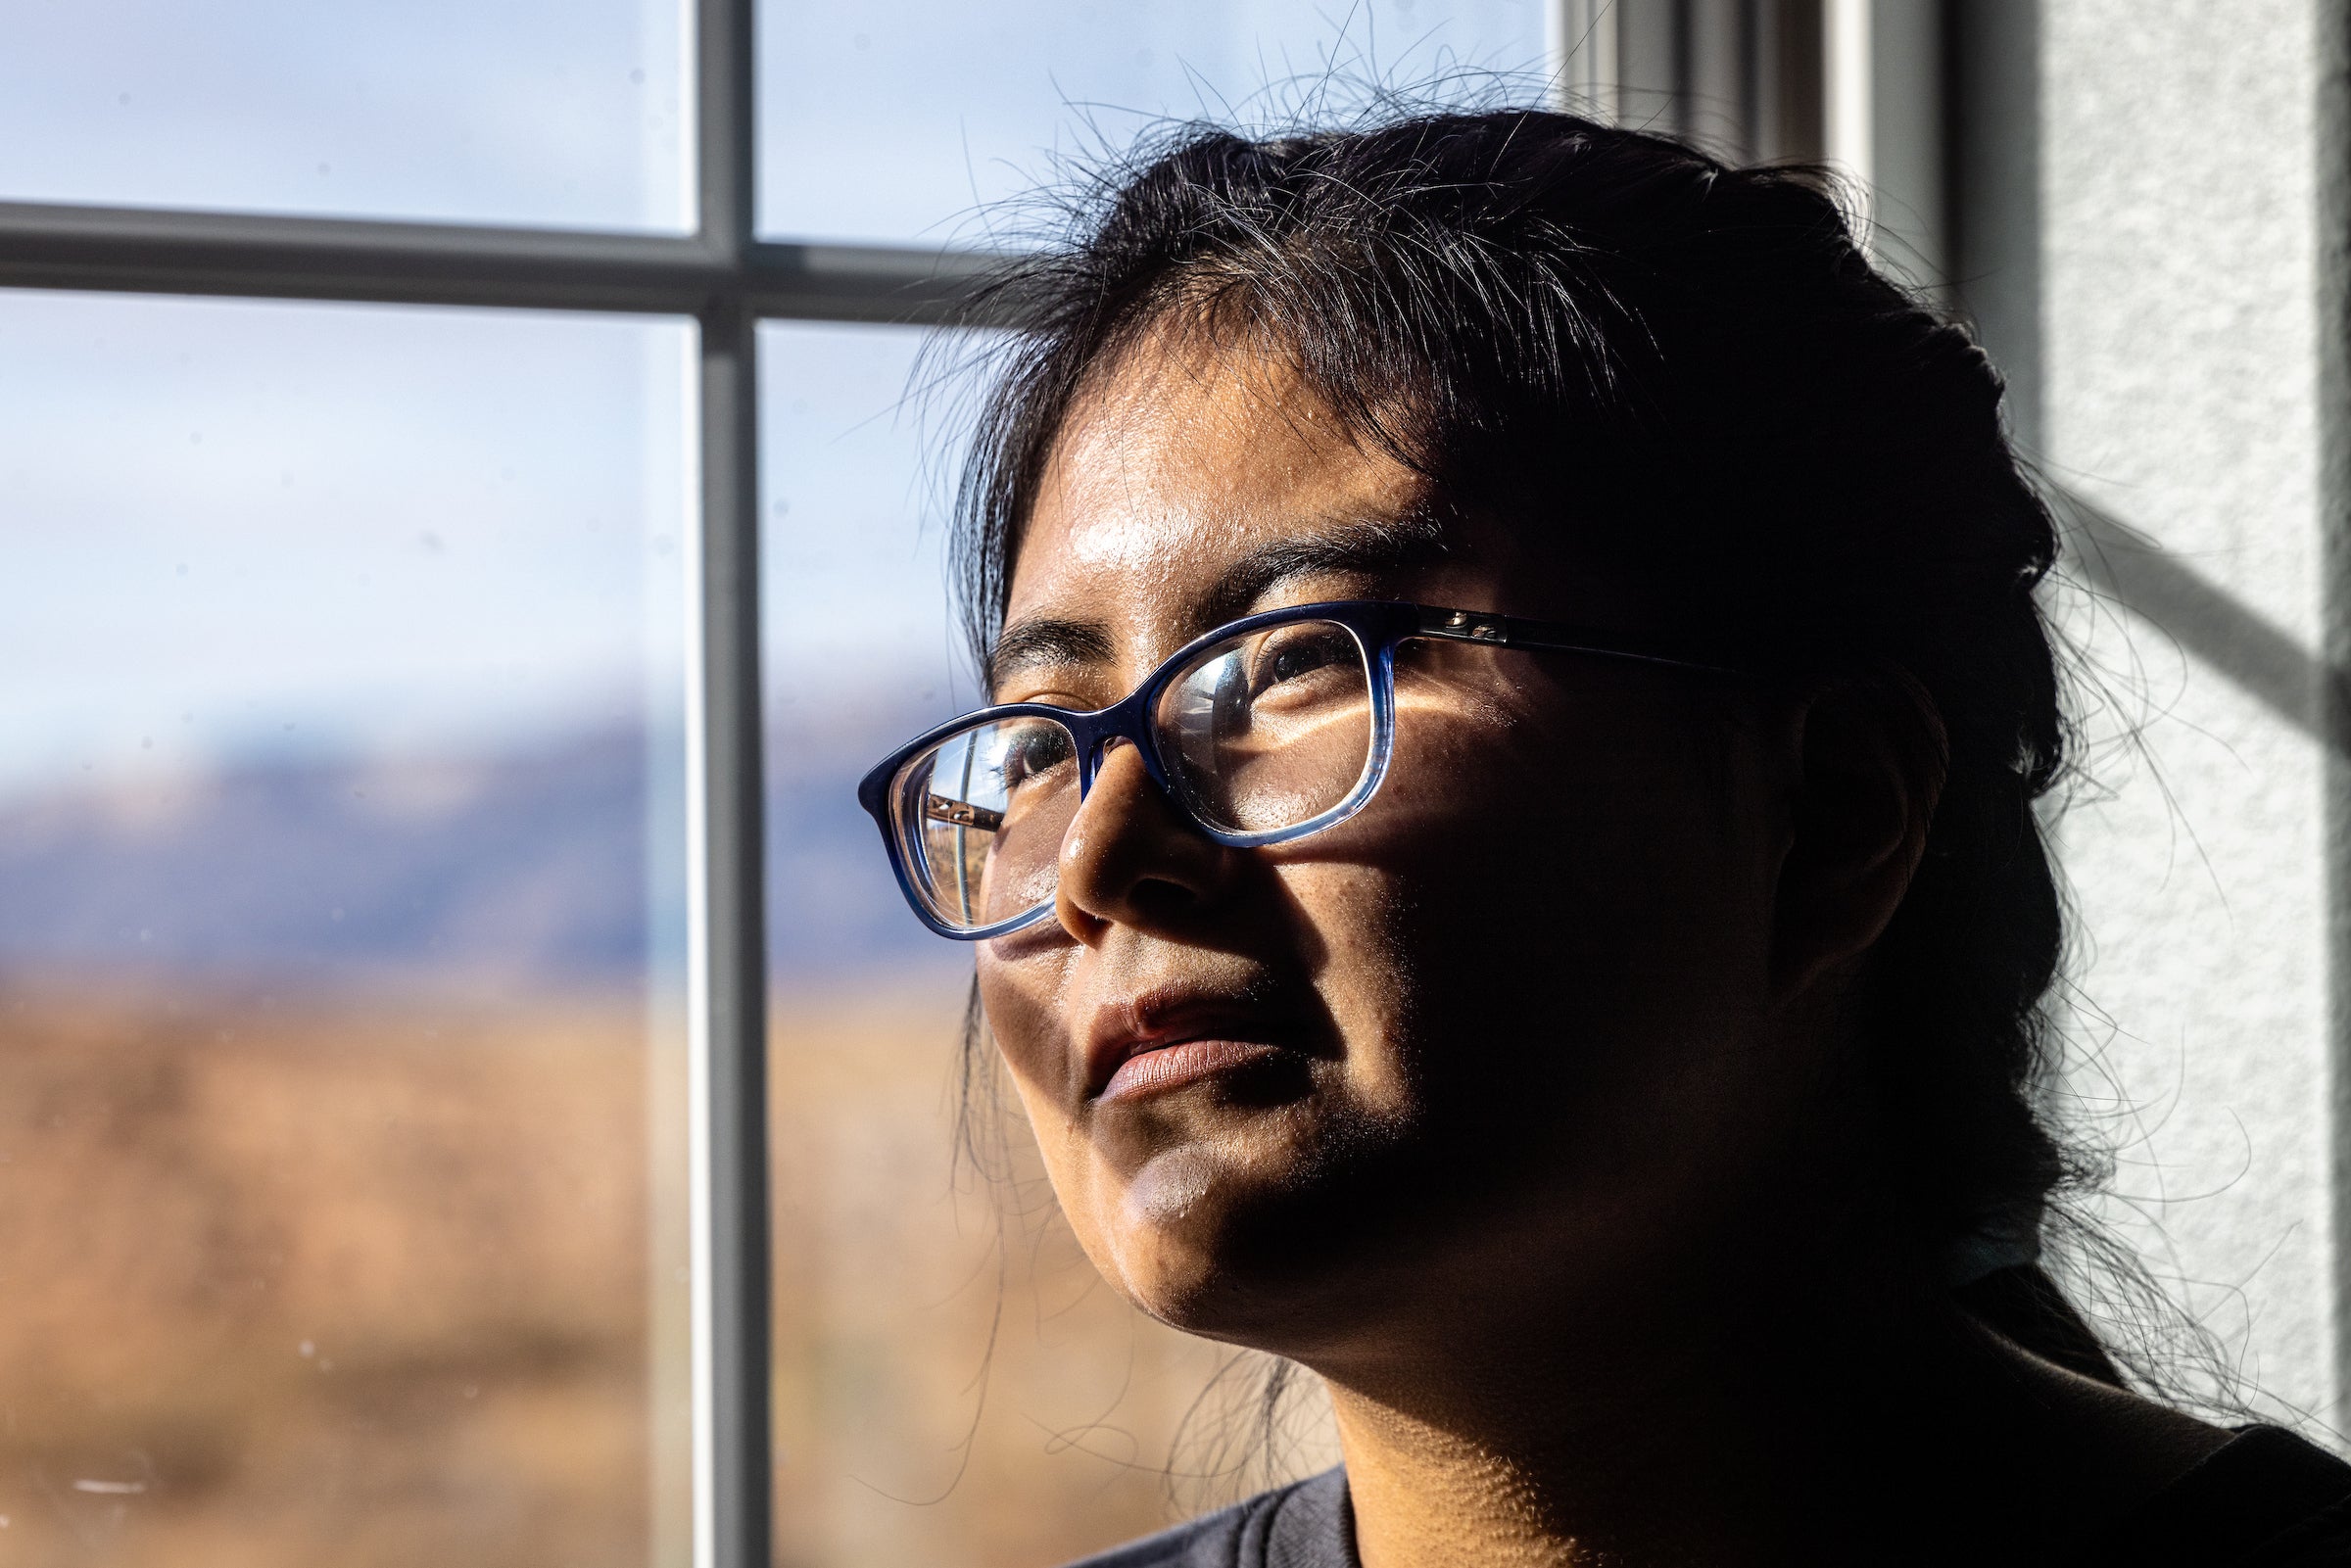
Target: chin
point(1251, 1252)
point(1168, 1238)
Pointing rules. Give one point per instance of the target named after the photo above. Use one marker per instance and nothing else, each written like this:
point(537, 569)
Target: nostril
point(1156, 897)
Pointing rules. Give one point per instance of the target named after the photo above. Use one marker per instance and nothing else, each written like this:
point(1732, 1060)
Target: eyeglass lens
point(1270, 729)
point(982, 817)
point(1263, 730)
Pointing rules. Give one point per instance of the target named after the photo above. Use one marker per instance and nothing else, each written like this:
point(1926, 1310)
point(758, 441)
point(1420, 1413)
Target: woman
point(1504, 868)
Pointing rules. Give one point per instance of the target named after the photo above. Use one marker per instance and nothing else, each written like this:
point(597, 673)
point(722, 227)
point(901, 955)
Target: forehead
point(1179, 464)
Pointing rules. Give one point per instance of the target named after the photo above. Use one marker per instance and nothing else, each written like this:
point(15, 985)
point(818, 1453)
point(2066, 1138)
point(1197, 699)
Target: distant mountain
point(532, 864)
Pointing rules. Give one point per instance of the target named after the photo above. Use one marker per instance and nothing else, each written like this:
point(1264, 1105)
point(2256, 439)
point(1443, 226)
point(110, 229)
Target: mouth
point(1164, 1069)
point(1160, 1043)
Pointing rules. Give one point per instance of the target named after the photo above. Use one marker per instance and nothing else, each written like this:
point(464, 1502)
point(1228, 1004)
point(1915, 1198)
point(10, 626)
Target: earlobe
point(1868, 759)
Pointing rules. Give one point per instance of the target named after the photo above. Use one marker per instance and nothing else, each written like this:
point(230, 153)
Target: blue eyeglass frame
point(1378, 627)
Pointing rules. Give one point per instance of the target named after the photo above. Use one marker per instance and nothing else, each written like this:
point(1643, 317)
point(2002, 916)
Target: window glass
point(342, 1106)
point(907, 123)
point(953, 1384)
point(558, 112)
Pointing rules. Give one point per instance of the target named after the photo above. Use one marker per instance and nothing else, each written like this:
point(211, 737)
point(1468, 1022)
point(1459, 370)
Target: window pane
point(902, 126)
point(953, 1384)
point(340, 852)
point(560, 111)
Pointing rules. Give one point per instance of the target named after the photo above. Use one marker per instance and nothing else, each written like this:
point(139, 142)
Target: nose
point(1131, 858)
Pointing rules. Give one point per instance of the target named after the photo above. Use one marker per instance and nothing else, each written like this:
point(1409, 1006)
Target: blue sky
point(238, 526)
point(878, 121)
point(255, 526)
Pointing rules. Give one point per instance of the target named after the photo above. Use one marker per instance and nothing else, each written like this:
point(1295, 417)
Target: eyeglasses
point(1261, 731)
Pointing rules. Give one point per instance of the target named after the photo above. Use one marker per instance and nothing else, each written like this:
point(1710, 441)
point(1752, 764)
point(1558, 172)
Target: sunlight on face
point(1289, 1094)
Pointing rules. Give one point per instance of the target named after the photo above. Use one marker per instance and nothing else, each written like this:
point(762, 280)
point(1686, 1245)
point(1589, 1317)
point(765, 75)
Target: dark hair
point(1693, 373)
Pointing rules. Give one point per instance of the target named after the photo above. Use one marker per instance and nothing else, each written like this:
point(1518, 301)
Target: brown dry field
point(372, 1281)
point(303, 1280)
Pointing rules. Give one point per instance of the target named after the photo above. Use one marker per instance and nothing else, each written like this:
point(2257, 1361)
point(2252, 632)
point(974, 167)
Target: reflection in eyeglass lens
point(992, 804)
point(1270, 729)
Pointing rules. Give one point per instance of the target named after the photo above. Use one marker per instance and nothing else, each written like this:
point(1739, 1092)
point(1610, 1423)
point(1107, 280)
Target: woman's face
point(1500, 1044)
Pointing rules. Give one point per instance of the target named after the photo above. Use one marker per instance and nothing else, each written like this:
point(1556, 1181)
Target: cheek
point(1022, 1001)
point(1577, 931)
point(1350, 914)
point(1025, 1003)
point(1570, 890)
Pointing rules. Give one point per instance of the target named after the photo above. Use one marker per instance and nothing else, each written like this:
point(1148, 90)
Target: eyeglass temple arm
point(1512, 632)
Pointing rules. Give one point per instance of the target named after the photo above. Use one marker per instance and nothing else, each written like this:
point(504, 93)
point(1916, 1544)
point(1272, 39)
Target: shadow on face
point(1501, 1049)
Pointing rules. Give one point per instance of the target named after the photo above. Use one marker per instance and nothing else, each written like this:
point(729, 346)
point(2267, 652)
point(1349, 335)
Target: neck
point(1757, 1442)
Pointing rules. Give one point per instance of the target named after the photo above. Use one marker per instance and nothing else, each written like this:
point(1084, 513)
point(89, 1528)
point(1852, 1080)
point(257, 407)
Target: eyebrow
point(1046, 641)
point(1359, 548)
point(1362, 549)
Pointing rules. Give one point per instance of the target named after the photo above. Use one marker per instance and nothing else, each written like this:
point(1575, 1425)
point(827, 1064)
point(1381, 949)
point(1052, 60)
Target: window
point(446, 452)
point(557, 111)
point(342, 1114)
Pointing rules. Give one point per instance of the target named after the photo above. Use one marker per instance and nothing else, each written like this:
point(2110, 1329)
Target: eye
point(1294, 657)
point(1036, 750)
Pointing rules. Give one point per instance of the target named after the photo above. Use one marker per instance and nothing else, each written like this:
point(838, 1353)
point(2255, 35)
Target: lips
point(1162, 1041)
point(1160, 1070)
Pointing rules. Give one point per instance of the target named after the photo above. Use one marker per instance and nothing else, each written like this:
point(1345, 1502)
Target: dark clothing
point(2263, 1499)
point(1306, 1525)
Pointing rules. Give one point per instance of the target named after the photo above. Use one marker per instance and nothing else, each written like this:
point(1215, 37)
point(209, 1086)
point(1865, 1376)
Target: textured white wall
point(2180, 340)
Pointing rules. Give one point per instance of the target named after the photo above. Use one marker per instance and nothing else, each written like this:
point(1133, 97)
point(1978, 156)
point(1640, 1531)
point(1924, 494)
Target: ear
point(1869, 759)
